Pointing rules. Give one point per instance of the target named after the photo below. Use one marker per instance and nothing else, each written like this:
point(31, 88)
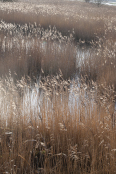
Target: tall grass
point(57, 96)
point(27, 57)
point(86, 21)
point(77, 138)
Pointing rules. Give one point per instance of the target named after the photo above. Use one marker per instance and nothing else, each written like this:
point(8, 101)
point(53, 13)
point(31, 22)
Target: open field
point(57, 88)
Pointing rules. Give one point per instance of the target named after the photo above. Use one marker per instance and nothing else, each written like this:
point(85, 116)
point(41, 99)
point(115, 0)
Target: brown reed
point(85, 20)
point(60, 138)
point(52, 125)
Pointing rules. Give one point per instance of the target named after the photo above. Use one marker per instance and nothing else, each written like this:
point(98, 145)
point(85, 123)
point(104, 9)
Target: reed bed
point(25, 56)
point(29, 40)
point(69, 130)
point(101, 67)
point(85, 20)
point(57, 96)
point(28, 55)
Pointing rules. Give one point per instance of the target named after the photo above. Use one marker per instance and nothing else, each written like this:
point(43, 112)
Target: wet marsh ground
point(57, 88)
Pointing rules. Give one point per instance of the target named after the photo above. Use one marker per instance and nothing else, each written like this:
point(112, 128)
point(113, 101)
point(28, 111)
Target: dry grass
point(86, 20)
point(76, 20)
point(27, 57)
point(56, 136)
point(51, 125)
point(101, 66)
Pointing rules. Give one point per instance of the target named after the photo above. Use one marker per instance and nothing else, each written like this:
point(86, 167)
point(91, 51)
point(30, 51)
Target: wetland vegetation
point(57, 88)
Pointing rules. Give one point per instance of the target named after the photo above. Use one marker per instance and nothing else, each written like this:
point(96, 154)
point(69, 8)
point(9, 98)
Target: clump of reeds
point(26, 56)
point(85, 21)
point(100, 66)
point(69, 130)
point(29, 55)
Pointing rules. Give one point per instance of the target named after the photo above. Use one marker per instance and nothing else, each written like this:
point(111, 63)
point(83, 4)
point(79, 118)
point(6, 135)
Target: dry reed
point(85, 20)
point(51, 125)
point(56, 136)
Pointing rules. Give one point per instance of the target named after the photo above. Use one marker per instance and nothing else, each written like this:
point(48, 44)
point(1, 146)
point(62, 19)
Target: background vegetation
point(57, 88)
